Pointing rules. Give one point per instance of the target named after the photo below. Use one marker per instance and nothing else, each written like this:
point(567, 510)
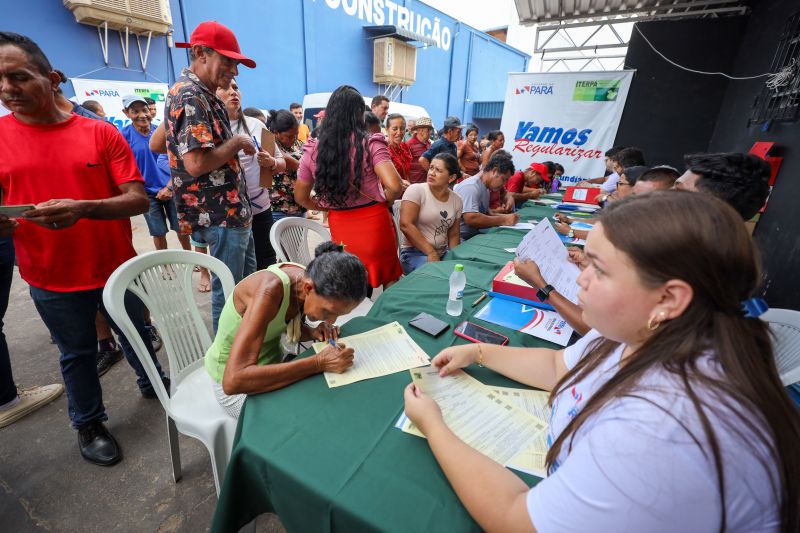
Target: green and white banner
point(566, 117)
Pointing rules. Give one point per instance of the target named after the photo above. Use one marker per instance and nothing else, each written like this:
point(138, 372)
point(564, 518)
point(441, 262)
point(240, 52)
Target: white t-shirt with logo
point(634, 467)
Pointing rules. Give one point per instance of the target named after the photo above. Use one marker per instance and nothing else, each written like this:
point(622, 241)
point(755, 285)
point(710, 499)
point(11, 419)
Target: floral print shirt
point(195, 119)
point(282, 194)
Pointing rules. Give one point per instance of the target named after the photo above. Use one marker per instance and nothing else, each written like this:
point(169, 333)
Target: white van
point(315, 102)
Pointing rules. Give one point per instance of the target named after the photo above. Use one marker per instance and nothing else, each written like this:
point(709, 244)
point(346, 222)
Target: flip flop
point(204, 286)
point(196, 268)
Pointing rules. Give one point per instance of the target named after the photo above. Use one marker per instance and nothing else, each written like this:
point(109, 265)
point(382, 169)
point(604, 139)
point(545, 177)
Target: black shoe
point(150, 392)
point(106, 359)
point(97, 445)
point(155, 338)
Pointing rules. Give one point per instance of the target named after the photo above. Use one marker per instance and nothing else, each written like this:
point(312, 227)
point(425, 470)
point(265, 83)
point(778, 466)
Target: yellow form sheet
point(378, 352)
point(531, 459)
point(478, 415)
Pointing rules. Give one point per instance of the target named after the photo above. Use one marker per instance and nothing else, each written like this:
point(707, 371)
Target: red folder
point(520, 289)
point(582, 195)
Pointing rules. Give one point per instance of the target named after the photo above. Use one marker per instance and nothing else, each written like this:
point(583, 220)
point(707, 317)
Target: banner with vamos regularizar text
point(569, 118)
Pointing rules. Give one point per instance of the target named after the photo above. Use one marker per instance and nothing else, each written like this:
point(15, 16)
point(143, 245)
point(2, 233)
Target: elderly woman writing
point(245, 356)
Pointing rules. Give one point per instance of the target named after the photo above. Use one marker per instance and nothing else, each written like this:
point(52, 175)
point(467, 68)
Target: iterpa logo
point(103, 92)
point(539, 88)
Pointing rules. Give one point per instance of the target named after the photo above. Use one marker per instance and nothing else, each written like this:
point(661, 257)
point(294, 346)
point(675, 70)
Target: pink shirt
point(371, 189)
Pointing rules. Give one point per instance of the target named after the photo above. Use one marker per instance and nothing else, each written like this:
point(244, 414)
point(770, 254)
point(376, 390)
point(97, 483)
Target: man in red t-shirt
point(524, 184)
point(83, 180)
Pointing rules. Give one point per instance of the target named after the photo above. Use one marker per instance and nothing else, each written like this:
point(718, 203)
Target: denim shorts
point(158, 214)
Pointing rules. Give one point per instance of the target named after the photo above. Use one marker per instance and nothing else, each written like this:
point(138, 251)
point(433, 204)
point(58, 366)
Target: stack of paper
point(378, 352)
point(504, 424)
point(544, 246)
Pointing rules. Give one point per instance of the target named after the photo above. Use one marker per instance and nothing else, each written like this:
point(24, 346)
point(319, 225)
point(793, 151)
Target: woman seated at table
point(245, 356)
point(669, 415)
point(430, 215)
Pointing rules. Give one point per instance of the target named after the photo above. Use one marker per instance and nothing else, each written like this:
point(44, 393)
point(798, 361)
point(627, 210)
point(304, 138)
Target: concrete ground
point(45, 485)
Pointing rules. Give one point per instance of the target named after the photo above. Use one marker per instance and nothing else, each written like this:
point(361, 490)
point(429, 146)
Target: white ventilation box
point(138, 16)
point(394, 62)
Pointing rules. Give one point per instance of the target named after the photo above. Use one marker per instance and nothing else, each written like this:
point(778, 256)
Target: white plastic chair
point(290, 239)
point(396, 217)
point(785, 327)
point(163, 281)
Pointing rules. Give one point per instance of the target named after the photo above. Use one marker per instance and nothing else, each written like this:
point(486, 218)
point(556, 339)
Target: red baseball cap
point(219, 38)
point(541, 168)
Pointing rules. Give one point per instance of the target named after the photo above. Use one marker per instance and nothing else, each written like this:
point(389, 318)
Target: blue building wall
point(300, 46)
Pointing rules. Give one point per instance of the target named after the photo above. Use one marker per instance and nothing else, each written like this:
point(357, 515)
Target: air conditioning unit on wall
point(137, 16)
point(394, 62)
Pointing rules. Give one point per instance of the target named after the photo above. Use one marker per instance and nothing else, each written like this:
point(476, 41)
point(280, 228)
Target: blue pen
point(330, 337)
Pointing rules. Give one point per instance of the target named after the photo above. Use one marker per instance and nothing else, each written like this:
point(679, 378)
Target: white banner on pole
point(566, 117)
point(110, 93)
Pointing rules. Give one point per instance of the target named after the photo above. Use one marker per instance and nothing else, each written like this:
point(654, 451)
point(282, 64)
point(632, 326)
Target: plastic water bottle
point(455, 302)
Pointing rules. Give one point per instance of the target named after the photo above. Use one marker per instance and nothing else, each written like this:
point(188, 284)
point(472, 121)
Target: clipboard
point(268, 145)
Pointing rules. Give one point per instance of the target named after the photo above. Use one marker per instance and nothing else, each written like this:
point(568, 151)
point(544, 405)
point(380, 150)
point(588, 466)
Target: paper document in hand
point(532, 459)
point(543, 246)
point(547, 325)
point(479, 416)
point(378, 352)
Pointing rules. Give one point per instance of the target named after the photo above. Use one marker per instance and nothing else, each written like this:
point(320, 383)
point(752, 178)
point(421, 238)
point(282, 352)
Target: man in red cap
point(524, 184)
point(210, 189)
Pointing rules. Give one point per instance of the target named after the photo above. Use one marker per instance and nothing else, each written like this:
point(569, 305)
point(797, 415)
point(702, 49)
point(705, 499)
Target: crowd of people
point(671, 382)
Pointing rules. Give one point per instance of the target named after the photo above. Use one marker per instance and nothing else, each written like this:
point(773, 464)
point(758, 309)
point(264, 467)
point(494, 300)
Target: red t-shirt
point(81, 159)
point(516, 182)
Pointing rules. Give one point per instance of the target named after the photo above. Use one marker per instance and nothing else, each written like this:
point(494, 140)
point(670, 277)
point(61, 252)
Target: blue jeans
point(70, 318)
point(277, 215)
point(412, 258)
point(8, 390)
point(161, 211)
point(234, 247)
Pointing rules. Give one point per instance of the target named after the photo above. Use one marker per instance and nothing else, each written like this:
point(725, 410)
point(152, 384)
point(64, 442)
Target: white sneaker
point(30, 399)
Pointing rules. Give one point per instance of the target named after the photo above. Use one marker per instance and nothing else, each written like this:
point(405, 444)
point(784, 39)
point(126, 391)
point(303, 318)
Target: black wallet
point(429, 324)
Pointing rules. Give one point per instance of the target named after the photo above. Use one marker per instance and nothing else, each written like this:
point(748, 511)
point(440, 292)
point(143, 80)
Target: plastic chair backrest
point(163, 281)
point(289, 239)
point(785, 327)
point(396, 216)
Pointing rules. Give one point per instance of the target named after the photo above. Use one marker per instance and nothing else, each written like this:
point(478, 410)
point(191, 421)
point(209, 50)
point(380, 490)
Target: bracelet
point(480, 356)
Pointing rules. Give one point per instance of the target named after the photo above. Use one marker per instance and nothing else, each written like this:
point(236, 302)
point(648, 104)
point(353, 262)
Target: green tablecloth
point(331, 459)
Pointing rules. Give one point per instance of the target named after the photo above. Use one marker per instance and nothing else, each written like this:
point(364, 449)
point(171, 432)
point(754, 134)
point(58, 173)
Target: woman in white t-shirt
point(253, 165)
point(669, 415)
point(430, 215)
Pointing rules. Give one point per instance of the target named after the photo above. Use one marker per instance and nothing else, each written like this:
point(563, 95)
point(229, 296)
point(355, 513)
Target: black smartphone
point(476, 333)
point(429, 324)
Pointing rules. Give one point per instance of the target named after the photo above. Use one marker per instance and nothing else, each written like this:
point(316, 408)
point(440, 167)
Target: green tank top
point(229, 320)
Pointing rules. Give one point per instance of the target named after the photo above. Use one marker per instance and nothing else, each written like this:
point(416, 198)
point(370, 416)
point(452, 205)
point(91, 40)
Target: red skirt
point(369, 234)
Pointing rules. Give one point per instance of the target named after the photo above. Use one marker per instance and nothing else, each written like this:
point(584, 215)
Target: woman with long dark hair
point(283, 125)
point(495, 141)
point(353, 177)
point(469, 152)
point(669, 415)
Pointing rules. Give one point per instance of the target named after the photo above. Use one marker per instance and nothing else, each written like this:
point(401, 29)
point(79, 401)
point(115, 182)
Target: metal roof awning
point(557, 11)
point(374, 32)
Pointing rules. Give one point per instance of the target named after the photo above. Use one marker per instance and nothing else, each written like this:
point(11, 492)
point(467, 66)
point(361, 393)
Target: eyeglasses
point(623, 184)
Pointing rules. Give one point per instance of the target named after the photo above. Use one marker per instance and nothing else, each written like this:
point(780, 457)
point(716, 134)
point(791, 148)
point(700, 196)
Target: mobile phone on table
point(475, 333)
point(429, 324)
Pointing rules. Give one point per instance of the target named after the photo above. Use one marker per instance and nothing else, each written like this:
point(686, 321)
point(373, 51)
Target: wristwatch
point(544, 293)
